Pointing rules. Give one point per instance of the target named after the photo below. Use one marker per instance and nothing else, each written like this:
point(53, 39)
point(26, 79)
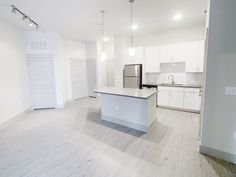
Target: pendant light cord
point(131, 20)
point(103, 29)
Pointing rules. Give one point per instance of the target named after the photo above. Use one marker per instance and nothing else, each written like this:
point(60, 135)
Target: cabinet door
point(201, 57)
point(163, 98)
point(179, 52)
point(166, 54)
point(192, 99)
point(176, 97)
point(152, 63)
point(192, 54)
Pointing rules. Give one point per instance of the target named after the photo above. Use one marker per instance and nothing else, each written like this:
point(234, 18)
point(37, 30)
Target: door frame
point(51, 56)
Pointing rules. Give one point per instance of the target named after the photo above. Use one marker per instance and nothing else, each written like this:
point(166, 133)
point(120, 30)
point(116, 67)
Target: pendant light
point(131, 49)
point(104, 54)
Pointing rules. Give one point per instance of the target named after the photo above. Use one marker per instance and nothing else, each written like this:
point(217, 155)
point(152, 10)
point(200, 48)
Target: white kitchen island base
point(137, 111)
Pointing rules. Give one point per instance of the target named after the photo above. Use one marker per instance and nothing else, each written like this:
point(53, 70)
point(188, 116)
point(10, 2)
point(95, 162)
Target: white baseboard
point(13, 119)
point(218, 154)
point(125, 123)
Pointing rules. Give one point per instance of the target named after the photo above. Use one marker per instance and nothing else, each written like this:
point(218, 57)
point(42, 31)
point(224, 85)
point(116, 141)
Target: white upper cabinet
point(152, 60)
point(166, 54)
point(201, 58)
point(173, 53)
point(192, 53)
point(195, 56)
point(179, 52)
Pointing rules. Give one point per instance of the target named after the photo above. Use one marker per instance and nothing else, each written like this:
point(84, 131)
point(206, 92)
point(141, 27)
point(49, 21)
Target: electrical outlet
point(234, 136)
point(230, 90)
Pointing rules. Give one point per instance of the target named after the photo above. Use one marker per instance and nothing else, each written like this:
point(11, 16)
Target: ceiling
point(79, 19)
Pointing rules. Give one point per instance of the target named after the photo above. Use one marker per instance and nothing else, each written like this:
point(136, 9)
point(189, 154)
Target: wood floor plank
point(74, 142)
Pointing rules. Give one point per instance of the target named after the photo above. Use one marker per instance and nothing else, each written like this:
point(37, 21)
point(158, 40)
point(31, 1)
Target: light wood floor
point(74, 142)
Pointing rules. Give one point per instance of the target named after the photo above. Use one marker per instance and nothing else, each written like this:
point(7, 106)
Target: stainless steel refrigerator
point(132, 76)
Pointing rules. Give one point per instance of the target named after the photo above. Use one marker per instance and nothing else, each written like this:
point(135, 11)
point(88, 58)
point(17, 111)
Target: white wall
point(14, 87)
point(219, 115)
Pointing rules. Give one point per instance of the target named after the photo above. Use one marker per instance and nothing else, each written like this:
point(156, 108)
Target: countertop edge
point(138, 97)
point(182, 86)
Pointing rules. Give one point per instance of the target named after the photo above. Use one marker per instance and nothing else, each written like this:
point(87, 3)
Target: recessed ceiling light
point(134, 27)
point(178, 17)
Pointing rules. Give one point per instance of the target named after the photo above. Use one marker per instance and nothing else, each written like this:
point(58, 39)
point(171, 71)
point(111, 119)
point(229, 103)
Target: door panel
point(41, 79)
point(79, 79)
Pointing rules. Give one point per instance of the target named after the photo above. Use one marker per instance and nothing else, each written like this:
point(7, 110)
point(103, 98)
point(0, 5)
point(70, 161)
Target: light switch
point(230, 90)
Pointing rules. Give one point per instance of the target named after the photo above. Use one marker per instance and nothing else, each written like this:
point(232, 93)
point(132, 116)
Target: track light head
point(24, 17)
point(13, 10)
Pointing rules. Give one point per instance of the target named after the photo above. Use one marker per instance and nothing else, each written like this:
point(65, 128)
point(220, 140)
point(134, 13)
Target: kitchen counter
point(133, 108)
point(127, 92)
point(172, 85)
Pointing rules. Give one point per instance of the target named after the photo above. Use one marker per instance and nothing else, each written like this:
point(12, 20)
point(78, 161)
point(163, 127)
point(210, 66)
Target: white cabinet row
point(192, 53)
point(181, 98)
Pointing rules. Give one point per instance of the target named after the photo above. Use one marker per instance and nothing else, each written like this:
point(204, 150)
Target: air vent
point(39, 46)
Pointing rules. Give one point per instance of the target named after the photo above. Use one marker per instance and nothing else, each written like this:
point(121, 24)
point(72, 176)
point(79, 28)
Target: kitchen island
point(133, 108)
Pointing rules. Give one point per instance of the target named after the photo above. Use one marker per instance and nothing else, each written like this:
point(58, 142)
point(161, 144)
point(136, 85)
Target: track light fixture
point(131, 49)
point(25, 17)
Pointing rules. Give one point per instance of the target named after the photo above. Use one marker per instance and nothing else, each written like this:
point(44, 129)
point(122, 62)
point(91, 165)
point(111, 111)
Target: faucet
point(172, 80)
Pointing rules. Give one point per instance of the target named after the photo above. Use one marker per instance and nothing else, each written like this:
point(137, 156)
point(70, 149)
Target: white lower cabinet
point(180, 98)
point(192, 99)
point(176, 97)
point(163, 98)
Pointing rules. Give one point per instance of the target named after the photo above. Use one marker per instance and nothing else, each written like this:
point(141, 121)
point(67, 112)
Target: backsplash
point(178, 71)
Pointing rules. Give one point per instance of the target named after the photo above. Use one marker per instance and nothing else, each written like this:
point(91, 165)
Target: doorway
point(42, 82)
point(79, 78)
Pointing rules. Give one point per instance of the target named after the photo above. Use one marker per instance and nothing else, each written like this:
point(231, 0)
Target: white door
point(41, 77)
point(92, 80)
point(111, 73)
point(79, 78)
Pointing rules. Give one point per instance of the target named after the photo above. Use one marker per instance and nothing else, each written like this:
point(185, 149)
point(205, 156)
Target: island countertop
point(127, 92)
